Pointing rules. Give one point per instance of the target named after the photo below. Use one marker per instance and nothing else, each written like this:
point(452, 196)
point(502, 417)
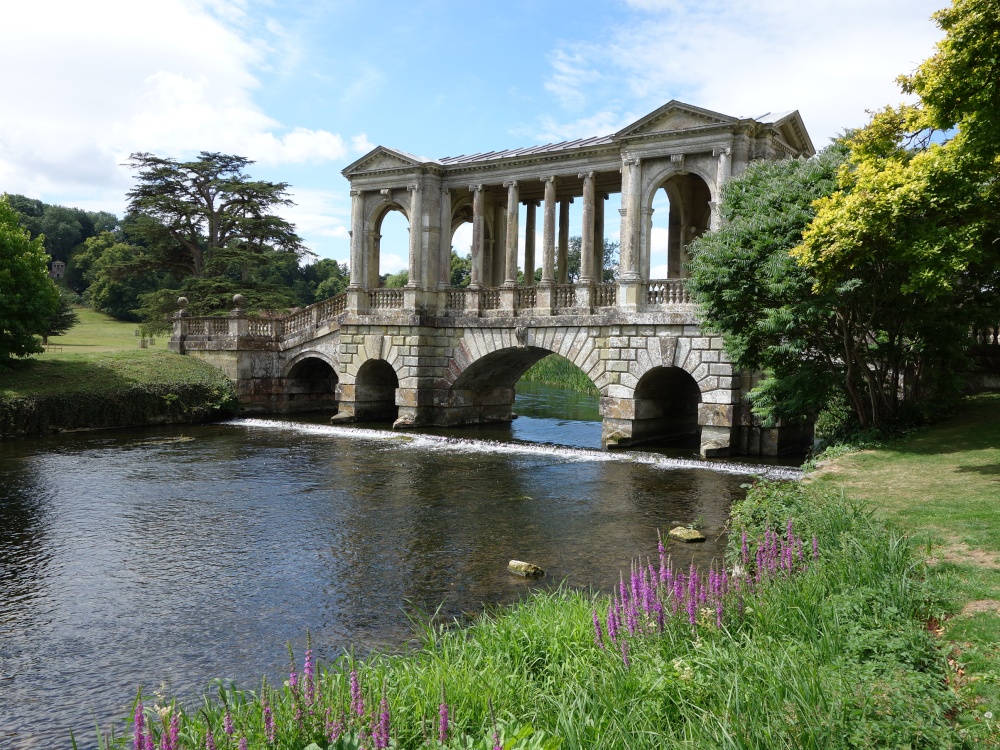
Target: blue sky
point(304, 88)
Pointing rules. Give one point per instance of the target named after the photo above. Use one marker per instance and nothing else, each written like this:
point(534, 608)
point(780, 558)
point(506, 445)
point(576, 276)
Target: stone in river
point(525, 569)
point(685, 534)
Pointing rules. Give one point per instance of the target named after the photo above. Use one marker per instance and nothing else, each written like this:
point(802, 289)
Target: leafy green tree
point(28, 298)
point(115, 276)
point(461, 270)
point(64, 318)
point(752, 290)
point(395, 280)
point(609, 262)
point(332, 278)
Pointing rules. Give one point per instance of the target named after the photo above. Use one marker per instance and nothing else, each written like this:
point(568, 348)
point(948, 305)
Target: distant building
point(58, 269)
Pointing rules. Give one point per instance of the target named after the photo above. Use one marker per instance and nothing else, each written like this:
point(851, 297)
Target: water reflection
point(177, 556)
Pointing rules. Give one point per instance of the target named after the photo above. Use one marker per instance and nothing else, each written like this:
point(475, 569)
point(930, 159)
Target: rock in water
point(525, 569)
point(685, 534)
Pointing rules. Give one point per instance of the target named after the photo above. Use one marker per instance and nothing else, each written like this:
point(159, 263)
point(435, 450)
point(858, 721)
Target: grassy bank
point(560, 372)
point(111, 389)
point(795, 643)
point(96, 332)
point(942, 486)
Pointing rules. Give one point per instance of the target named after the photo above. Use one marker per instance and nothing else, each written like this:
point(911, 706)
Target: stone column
point(357, 239)
point(723, 171)
point(549, 233)
point(444, 258)
point(563, 240)
point(416, 234)
point(599, 237)
point(529, 243)
point(510, 276)
point(631, 193)
point(587, 236)
point(477, 236)
point(374, 250)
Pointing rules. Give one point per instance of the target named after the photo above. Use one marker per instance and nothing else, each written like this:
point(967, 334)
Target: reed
point(558, 371)
point(810, 636)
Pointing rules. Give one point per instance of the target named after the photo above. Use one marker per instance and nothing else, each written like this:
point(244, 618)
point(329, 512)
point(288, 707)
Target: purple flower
point(497, 744)
point(175, 731)
point(598, 637)
point(243, 743)
point(227, 723)
point(380, 730)
point(268, 717)
point(745, 551)
point(139, 722)
point(443, 723)
point(357, 700)
point(625, 653)
point(209, 739)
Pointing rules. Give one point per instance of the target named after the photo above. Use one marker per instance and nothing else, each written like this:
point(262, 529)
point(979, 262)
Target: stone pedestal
point(357, 300)
point(631, 294)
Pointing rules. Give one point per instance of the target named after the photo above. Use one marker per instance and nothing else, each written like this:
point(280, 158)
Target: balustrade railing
point(262, 328)
point(455, 299)
point(489, 299)
point(525, 297)
point(385, 299)
point(986, 335)
point(605, 295)
point(565, 295)
point(667, 292)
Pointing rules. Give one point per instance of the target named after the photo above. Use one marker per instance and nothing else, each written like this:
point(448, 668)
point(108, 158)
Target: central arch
point(686, 199)
point(375, 392)
point(666, 406)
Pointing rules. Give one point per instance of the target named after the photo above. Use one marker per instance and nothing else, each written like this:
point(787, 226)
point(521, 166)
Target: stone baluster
point(587, 237)
point(478, 236)
point(529, 243)
point(549, 233)
point(510, 268)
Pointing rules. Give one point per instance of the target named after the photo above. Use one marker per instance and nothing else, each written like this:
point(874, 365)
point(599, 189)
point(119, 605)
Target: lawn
point(96, 332)
point(942, 486)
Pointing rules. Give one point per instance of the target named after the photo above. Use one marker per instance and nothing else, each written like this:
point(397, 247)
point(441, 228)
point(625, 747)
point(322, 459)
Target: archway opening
point(460, 272)
point(556, 402)
point(666, 407)
point(375, 392)
point(681, 213)
point(311, 385)
point(392, 248)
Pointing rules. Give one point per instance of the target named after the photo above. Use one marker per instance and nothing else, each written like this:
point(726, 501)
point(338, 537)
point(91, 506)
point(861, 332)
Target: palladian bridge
point(430, 354)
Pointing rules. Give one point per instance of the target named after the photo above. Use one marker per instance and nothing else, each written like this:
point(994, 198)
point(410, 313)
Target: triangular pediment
point(673, 117)
point(381, 158)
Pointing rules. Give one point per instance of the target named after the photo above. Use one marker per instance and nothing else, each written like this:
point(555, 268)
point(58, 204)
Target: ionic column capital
point(533, 203)
point(356, 193)
point(585, 175)
point(551, 179)
point(413, 188)
point(510, 183)
point(722, 151)
point(475, 188)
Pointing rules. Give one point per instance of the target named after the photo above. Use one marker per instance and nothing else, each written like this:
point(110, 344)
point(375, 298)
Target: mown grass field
point(942, 486)
point(96, 332)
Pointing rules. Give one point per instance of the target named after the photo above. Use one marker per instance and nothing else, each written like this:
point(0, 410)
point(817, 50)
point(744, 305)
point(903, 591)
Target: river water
point(172, 556)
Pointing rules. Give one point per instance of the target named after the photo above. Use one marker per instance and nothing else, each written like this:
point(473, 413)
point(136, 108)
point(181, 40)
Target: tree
point(461, 270)
point(28, 298)
point(609, 261)
point(64, 318)
point(752, 291)
point(206, 216)
point(115, 277)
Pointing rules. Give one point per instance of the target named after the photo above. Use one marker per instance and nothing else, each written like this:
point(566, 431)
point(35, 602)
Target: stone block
point(646, 331)
point(628, 354)
point(619, 342)
point(618, 366)
point(715, 415)
point(629, 330)
point(710, 356)
point(718, 369)
point(700, 343)
point(618, 390)
point(684, 534)
point(717, 342)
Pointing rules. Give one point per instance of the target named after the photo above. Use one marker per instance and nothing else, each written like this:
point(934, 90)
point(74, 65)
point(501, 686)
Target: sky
point(306, 87)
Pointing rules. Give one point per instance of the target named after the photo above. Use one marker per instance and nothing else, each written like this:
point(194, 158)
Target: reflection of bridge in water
point(428, 354)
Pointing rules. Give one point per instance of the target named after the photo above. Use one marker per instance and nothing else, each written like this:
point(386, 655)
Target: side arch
point(309, 383)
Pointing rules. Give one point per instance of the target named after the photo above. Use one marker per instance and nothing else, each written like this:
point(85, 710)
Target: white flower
point(988, 715)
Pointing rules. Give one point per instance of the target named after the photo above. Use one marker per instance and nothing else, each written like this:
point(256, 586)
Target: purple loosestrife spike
point(625, 659)
point(227, 723)
point(384, 721)
point(443, 723)
point(265, 707)
point(175, 730)
point(243, 743)
point(497, 744)
point(745, 551)
point(139, 723)
point(718, 613)
point(815, 548)
point(789, 534)
point(598, 637)
point(209, 739)
point(307, 677)
point(357, 700)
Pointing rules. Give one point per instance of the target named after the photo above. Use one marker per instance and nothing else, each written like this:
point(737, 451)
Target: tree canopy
point(28, 298)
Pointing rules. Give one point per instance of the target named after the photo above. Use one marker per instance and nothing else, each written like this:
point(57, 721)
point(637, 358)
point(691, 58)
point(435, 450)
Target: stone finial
point(238, 301)
point(182, 302)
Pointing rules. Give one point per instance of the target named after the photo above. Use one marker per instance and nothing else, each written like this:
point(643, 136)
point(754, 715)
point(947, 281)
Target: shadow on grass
point(976, 426)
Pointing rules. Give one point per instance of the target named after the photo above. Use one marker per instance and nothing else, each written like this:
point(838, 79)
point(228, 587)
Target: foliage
point(63, 229)
point(609, 263)
point(461, 270)
point(558, 371)
point(28, 298)
point(64, 318)
point(395, 280)
point(824, 652)
point(114, 275)
point(111, 390)
point(751, 289)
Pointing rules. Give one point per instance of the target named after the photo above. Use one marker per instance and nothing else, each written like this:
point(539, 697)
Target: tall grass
point(824, 651)
point(558, 371)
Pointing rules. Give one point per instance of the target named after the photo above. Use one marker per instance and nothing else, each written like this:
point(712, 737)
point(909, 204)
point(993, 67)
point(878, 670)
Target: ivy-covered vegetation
point(813, 636)
point(114, 389)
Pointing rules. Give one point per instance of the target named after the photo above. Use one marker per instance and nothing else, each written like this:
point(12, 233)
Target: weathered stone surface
point(684, 534)
point(525, 569)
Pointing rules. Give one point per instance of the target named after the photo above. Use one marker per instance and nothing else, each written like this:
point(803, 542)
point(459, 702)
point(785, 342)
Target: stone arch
point(691, 193)
point(666, 405)
point(375, 385)
point(310, 383)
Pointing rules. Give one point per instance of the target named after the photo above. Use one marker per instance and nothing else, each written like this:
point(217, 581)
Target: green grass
point(558, 371)
point(942, 486)
point(96, 332)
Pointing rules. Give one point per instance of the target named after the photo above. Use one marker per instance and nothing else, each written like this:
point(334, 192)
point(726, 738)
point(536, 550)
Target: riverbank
point(559, 372)
point(814, 636)
point(942, 487)
point(110, 389)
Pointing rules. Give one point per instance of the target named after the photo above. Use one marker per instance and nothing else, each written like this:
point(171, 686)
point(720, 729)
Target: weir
point(430, 354)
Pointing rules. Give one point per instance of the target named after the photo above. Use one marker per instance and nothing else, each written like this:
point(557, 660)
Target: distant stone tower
point(58, 269)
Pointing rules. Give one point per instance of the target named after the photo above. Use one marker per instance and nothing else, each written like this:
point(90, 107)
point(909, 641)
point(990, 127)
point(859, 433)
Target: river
point(168, 557)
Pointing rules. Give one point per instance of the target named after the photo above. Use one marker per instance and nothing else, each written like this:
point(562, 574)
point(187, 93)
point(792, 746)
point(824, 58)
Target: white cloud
point(100, 80)
point(830, 60)
point(571, 74)
point(360, 144)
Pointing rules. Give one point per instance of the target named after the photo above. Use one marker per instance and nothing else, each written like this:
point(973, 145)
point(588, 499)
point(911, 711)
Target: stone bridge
point(429, 354)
